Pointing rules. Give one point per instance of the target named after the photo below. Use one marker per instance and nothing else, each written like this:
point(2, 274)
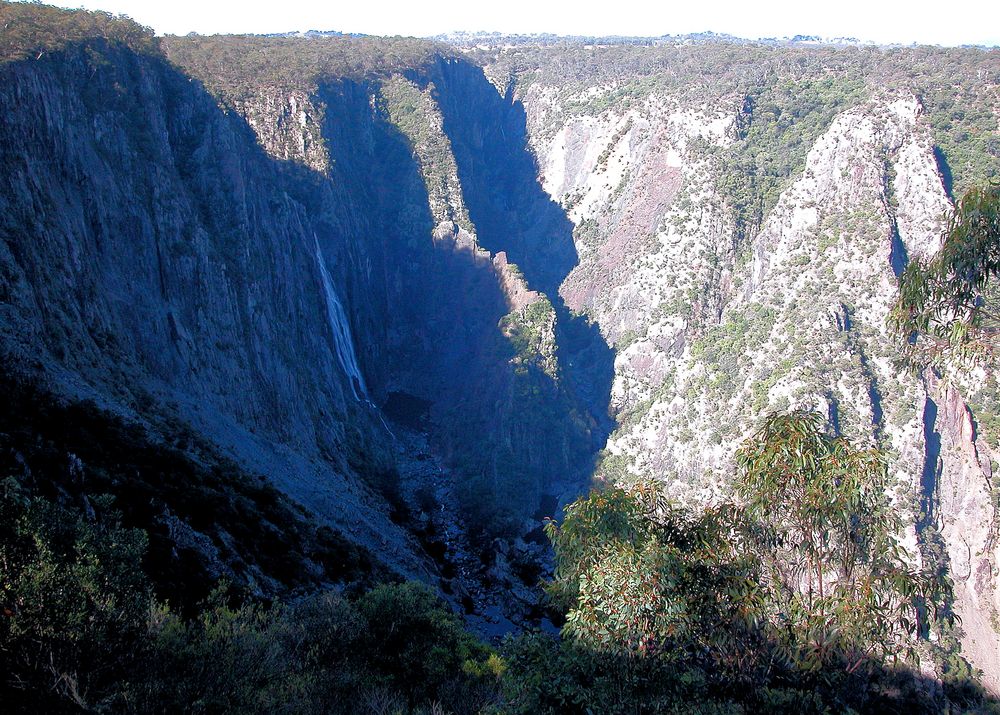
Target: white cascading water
point(341, 330)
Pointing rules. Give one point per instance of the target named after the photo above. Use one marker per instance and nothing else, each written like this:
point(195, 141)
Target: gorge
point(395, 277)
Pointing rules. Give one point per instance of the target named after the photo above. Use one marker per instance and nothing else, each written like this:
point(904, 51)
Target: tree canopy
point(800, 576)
point(29, 30)
point(838, 581)
point(949, 304)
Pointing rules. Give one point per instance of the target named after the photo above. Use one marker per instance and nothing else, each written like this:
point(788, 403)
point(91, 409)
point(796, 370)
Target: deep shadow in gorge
point(159, 265)
point(427, 307)
point(198, 285)
point(931, 472)
point(512, 213)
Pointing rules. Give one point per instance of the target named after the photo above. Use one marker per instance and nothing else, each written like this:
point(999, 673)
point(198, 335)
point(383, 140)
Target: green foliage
point(947, 304)
point(530, 332)
point(778, 123)
point(964, 126)
point(79, 629)
point(73, 594)
point(420, 649)
point(795, 595)
point(236, 68)
point(662, 605)
point(786, 96)
point(78, 624)
point(227, 660)
point(412, 109)
point(725, 351)
point(642, 576)
point(396, 645)
point(836, 575)
point(984, 402)
point(29, 30)
point(203, 515)
point(721, 347)
point(548, 677)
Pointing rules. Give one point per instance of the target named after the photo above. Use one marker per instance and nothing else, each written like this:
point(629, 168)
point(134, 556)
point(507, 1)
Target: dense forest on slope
point(273, 309)
point(237, 67)
point(789, 94)
point(32, 31)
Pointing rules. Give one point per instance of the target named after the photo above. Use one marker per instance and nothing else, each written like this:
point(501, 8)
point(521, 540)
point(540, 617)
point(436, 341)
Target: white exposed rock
point(288, 125)
point(802, 324)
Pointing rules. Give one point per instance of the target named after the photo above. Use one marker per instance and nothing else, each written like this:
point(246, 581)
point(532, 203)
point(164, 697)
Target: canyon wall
point(721, 315)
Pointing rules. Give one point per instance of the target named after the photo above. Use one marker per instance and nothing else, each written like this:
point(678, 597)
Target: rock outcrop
point(716, 325)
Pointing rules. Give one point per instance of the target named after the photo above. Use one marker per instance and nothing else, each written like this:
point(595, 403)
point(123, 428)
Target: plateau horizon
point(890, 22)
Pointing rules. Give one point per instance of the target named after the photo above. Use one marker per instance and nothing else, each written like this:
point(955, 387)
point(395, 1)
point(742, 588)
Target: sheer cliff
point(451, 254)
point(154, 260)
point(159, 260)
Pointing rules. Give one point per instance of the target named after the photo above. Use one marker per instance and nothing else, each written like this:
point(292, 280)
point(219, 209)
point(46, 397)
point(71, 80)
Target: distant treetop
point(235, 66)
point(949, 304)
point(29, 30)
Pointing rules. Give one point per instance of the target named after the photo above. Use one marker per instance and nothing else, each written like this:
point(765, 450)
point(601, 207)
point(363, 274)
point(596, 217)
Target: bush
point(74, 598)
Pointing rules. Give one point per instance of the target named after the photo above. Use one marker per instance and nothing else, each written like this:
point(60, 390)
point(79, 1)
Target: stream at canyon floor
point(495, 585)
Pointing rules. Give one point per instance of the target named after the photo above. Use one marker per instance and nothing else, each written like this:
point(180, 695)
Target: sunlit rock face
point(715, 327)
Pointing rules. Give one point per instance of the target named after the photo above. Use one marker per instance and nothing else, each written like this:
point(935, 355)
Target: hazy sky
point(950, 23)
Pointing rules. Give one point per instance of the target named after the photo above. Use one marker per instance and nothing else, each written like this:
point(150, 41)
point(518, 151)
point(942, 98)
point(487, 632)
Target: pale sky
point(889, 21)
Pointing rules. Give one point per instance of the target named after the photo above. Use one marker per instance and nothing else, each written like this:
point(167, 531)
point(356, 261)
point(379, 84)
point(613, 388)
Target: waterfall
point(341, 330)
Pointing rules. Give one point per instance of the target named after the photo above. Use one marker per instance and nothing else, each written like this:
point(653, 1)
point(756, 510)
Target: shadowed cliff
point(514, 214)
point(154, 259)
point(174, 267)
point(432, 305)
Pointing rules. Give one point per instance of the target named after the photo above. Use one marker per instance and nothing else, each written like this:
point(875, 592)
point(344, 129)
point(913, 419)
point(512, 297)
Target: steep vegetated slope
point(741, 215)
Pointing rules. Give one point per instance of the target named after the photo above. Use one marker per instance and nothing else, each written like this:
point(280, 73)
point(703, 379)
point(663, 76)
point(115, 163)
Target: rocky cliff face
point(275, 275)
point(445, 245)
point(961, 501)
point(154, 258)
point(719, 320)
